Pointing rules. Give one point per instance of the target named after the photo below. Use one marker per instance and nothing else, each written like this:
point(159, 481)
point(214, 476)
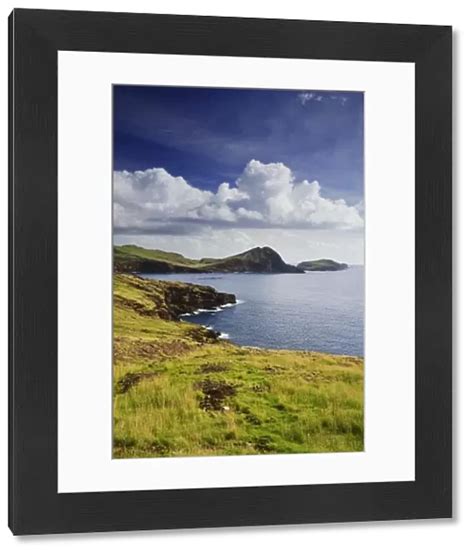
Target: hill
point(181, 391)
point(322, 265)
point(131, 258)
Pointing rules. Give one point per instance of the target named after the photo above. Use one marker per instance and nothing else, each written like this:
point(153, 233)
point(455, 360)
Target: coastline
point(189, 391)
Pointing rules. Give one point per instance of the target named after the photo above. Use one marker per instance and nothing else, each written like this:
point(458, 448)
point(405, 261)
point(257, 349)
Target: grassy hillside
point(126, 252)
point(322, 265)
point(180, 391)
point(131, 258)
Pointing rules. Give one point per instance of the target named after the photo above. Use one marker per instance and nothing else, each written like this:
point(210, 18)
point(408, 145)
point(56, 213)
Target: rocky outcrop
point(322, 265)
point(181, 298)
point(167, 300)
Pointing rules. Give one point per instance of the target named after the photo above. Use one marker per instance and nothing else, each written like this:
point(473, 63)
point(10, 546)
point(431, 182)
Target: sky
point(211, 172)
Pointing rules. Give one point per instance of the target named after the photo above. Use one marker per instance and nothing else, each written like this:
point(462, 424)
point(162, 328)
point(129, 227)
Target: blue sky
point(237, 168)
point(208, 135)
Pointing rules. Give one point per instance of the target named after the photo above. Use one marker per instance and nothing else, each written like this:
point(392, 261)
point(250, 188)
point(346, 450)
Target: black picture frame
point(35, 37)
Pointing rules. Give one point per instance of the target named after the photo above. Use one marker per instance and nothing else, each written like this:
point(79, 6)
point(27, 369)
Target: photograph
point(238, 271)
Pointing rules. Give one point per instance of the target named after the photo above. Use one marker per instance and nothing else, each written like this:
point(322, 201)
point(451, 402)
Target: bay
point(315, 311)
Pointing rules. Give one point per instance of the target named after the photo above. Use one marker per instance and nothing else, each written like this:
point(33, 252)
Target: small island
point(322, 265)
point(223, 344)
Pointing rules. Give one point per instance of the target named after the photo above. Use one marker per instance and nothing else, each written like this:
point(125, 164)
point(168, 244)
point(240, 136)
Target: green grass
point(132, 258)
point(127, 251)
point(177, 394)
point(322, 265)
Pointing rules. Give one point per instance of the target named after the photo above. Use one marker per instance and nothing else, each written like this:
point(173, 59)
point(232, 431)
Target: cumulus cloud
point(264, 196)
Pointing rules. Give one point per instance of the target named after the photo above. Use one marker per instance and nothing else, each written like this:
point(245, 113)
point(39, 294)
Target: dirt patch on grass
point(136, 306)
point(175, 348)
point(215, 394)
point(132, 379)
point(131, 349)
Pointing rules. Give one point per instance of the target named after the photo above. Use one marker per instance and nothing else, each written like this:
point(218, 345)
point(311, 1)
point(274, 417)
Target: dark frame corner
point(35, 507)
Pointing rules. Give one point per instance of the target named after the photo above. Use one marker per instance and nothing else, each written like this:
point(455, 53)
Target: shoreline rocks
point(169, 300)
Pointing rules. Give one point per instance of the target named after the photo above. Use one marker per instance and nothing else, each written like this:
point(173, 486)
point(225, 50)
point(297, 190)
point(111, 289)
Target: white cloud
point(264, 196)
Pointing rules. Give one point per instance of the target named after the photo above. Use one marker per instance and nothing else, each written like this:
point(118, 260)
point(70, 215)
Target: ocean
point(315, 311)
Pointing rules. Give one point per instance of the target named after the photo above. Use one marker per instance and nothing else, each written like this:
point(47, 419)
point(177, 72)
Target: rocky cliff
point(165, 299)
point(322, 265)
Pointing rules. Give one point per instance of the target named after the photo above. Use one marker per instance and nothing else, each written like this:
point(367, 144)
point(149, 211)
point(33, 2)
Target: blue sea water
point(315, 311)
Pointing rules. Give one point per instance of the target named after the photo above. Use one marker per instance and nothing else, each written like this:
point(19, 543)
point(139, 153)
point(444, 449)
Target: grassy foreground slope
point(180, 391)
point(131, 258)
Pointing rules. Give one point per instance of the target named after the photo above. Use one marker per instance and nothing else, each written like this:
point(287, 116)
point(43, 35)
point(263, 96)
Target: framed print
point(230, 272)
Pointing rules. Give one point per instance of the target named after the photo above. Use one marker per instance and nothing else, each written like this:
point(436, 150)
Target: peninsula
point(322, 265)
point(134, 259)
